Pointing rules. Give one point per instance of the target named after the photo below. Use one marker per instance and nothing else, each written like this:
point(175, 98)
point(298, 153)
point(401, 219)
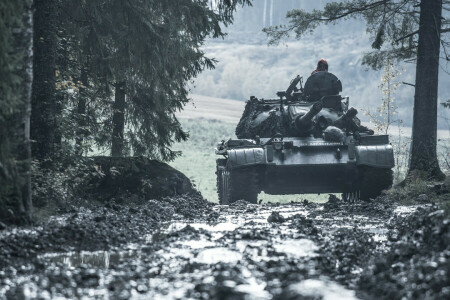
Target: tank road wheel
point(374, 181)
point(233, 185)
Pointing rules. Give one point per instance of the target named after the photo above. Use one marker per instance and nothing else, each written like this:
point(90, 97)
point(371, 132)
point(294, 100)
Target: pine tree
point(146, 52)
point(46, 109)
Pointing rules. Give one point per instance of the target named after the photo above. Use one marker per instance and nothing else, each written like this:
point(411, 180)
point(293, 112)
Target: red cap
point(323, 61)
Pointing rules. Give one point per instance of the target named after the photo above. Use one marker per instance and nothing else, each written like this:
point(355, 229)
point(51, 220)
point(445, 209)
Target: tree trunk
point(15, 152)
point(424, 160)
point(81, 112)
point(44, 124)
point(24, 149)
point(118, 120)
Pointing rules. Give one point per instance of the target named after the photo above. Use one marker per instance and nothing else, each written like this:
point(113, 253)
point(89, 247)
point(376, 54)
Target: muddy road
point(292, 251)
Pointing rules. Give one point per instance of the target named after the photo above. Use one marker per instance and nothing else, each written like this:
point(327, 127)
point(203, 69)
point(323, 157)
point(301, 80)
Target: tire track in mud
point(290, 251)
point(265, 252)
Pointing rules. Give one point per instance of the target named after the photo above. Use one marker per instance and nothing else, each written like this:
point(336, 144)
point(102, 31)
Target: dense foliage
point(106, 75)
point(151, 49)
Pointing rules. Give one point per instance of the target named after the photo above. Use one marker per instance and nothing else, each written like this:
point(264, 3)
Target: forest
point(98, 201)
point(105, 75)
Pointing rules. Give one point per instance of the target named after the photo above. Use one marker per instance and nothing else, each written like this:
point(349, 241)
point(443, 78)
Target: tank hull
point(309, 179)
point(302, 165)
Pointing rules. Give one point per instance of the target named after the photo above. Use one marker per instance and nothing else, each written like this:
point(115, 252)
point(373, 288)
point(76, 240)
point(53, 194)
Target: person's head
point(322, 65)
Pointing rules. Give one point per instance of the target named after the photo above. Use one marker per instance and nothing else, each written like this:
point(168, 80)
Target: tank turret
point(297, 111)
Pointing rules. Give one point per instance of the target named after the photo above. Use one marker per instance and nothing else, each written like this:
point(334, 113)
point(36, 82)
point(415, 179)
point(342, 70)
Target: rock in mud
point(240, 204)
point(275, 217)
point(304, 225)
point(422, 198)
point(333, 202)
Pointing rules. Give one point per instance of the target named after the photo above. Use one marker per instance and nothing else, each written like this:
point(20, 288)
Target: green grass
point(410, 194)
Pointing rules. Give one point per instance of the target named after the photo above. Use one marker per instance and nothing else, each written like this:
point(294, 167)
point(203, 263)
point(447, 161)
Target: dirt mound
point(276, 217)
point(418, 262)
point(98, 180)
point(119, 177)
point(382, 206)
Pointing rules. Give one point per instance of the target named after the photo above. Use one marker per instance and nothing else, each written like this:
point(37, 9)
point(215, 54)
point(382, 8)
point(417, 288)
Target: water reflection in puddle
point(224, 226)
point(297, 248)
point(173, 253)
point(228, 226)
point(252, 287)
point(217, 255)
point(197, 244)
point(405, 210)
point(100, 259)
point(322, 289)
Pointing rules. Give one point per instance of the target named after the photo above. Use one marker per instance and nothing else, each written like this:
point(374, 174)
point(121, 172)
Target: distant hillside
point(247, 66)
point(210, 108)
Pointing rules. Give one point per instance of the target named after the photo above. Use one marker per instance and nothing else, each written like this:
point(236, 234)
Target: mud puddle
point(292, 251)
point(98, 259)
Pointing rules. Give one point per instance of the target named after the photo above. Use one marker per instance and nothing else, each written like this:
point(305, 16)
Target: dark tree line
point(402, 30)
point(106, 74)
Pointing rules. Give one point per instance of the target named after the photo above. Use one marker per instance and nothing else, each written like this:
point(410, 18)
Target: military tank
point(308, 140)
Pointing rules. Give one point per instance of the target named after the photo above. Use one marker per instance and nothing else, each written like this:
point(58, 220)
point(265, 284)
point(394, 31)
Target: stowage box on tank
point(307, 140)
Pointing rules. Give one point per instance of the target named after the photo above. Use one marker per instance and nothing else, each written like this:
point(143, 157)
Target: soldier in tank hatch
point(322, 66)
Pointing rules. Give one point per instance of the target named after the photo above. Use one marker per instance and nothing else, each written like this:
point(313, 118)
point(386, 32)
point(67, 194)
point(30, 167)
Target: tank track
point(374, 181)
point(239, 184)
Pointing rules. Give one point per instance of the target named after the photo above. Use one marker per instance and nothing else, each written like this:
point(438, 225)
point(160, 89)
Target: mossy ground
point(420, 192)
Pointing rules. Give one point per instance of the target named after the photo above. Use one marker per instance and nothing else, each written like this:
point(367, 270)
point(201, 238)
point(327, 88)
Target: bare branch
point(444, 30)
point(406, 83)
point(279, 32)
point(352, 11)
point(407, 36)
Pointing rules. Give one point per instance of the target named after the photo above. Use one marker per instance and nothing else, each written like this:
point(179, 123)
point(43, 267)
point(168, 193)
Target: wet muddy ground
point(189, 249)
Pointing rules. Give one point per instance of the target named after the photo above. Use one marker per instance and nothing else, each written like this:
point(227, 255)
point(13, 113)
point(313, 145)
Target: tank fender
point(381, 156)
point(246, 157)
